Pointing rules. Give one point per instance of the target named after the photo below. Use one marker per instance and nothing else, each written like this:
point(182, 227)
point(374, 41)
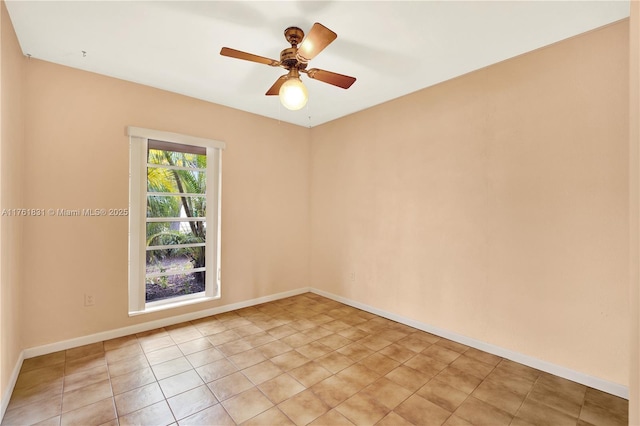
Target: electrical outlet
point(352, 276)
point(89, 300)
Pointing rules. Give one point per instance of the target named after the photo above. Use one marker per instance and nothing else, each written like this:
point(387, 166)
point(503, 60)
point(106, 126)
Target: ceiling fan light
point(293, 94)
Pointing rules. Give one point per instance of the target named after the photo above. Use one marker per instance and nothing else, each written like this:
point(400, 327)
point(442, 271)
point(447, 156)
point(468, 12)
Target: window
point(174, 219)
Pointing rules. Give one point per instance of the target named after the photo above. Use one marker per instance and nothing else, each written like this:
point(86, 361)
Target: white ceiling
point(392, 48)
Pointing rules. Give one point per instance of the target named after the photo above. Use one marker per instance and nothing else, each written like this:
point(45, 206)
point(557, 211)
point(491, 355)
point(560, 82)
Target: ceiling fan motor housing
point(289, 59)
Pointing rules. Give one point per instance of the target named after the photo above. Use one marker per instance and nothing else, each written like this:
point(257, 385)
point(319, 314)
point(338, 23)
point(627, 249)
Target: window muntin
point(175, 219)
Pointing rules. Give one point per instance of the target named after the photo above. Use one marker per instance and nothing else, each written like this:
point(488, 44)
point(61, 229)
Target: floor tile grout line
point(526, 396)
point(466, 398)
point(166, 400)
point(113, 396)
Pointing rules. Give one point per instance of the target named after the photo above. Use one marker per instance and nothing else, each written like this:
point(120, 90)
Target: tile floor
point(301, 360)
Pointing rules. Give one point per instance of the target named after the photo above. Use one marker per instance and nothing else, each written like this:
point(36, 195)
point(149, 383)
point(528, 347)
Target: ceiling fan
point(292, 92)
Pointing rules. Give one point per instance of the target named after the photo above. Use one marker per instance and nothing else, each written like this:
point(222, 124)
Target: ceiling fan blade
point(275, 89)
point(233, 53)
point(318, 38)
point(336, 79)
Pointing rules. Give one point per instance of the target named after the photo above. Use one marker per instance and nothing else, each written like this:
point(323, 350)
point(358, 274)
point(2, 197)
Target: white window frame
point(138, 143)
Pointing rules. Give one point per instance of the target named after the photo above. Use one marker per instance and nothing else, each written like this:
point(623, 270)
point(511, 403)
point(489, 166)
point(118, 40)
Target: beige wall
point(634, 293)
point(11, 172)
point(494, 205)
point(78, 158)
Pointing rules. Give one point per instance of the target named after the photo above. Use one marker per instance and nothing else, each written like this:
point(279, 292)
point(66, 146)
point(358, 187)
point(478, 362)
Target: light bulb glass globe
point(293, 94)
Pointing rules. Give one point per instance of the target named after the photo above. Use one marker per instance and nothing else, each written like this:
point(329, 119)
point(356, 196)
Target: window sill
point(158, 307)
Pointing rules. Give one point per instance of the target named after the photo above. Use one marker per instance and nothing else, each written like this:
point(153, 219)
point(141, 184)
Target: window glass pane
point(176, 181)
point(173, 158)
point(174, 260)
point(173, 286)
point(176, 206)
point(170, 233)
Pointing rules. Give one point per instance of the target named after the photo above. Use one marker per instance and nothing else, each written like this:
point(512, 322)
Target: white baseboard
point(585, 379)
point(150, 325)
point(557, 370)
point(4, 403)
